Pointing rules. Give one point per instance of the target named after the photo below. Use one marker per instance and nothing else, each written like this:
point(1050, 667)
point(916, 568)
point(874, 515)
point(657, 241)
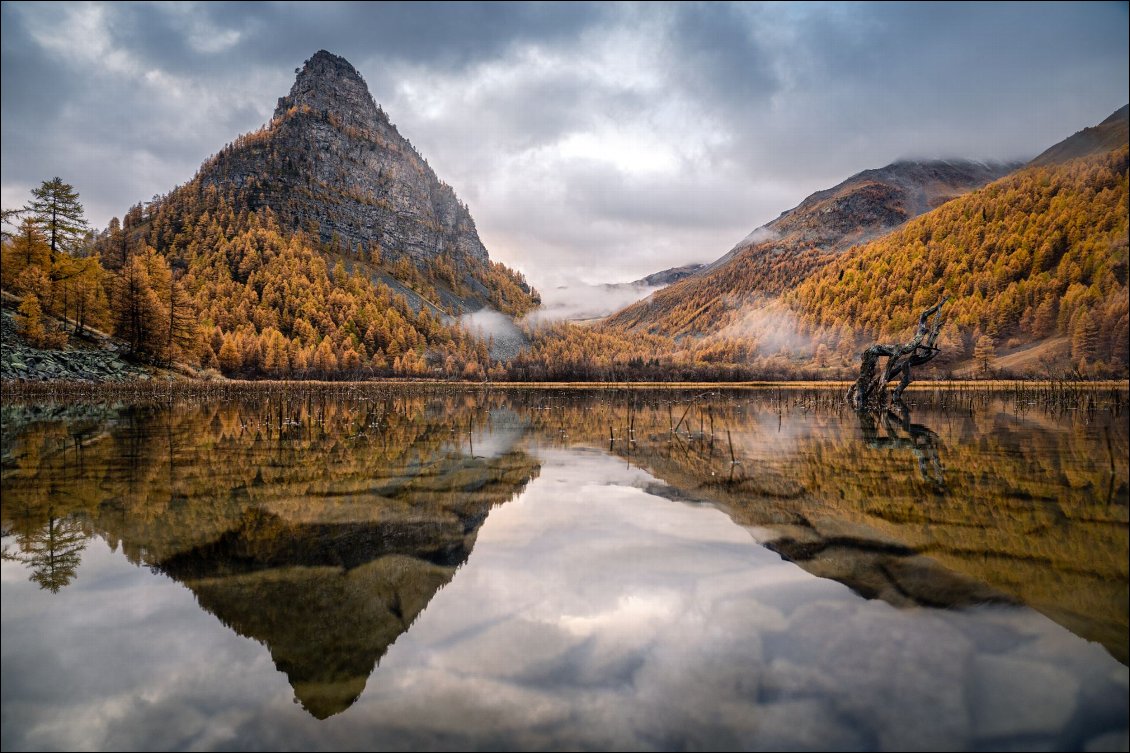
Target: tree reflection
point(321, 525)
point(899, 433)
point(52, 552)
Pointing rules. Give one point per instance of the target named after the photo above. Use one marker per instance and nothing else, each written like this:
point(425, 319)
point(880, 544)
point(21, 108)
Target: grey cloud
point(694, 198)
point(558, 214)
point(535, 112)
point(35, 86)
point(981, 81)
point(754, 105)
point(714, 50)
point(443, 35)
point(526, 114)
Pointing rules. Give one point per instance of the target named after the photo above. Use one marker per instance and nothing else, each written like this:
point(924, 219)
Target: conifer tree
point(58, 212)
point(1085, 338)
point(26, 247)
point(29, 321)
point(90, 305)
point(230, 361)
point(138, 314)
point(983, 353)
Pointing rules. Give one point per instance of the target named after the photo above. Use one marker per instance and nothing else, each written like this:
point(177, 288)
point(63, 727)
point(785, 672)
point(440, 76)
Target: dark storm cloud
point(714, 50)
point(919, 79)
point(33, 81)
point(614, 139)
point(441, 35)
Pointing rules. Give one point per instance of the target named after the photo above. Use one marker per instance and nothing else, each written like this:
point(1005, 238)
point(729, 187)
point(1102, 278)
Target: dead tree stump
point(870, 389)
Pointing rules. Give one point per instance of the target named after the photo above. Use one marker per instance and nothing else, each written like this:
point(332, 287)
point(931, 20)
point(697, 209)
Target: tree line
point(201, 278)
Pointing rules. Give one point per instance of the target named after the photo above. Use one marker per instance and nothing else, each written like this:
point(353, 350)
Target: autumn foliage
point(277, 304)
point(208, 277)
point(1038, 254)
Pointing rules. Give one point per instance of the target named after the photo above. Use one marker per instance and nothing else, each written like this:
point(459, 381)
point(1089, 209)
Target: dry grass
point(944, 395)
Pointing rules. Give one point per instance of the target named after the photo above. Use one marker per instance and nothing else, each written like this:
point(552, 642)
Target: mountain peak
point(331, 163)
point(329, 84)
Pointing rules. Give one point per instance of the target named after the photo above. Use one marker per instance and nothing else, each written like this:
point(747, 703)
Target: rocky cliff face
point(331, 161)
point(667, 276)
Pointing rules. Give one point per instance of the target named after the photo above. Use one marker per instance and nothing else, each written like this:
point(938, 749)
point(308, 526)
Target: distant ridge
point(777, 256)
point(1105, 137)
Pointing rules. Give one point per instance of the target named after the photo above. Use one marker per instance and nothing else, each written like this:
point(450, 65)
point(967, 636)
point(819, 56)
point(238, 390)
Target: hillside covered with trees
point(1040, 254)
point(776, 256)
point(191, 280)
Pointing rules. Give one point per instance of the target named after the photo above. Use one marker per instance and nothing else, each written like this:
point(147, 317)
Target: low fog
point(773, 327)
point(574, 300)
point(506, 339)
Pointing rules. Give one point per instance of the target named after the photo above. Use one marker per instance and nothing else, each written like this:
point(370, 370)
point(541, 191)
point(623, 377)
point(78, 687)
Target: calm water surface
point(620, 570)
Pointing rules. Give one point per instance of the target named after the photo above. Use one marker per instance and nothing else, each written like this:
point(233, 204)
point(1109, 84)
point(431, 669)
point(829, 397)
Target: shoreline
point(10, 389)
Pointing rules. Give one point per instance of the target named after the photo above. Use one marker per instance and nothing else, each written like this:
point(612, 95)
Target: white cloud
point(80, 35)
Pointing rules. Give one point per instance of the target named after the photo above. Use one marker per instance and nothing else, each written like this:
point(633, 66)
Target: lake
point(448, 568)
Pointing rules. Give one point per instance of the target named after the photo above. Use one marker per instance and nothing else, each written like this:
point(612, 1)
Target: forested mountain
point(323, 243)
point(776, 256)
point(1035, 265)
point(1038, 254)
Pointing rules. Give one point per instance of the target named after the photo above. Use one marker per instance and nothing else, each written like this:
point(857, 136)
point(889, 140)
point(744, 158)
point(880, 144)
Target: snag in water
point(870, 390)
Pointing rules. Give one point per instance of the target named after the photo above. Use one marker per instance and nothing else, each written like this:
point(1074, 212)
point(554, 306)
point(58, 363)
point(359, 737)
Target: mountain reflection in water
point(321, 530)
point(321, 525)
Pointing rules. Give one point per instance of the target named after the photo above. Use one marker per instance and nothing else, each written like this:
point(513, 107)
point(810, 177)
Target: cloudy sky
point(599, 142)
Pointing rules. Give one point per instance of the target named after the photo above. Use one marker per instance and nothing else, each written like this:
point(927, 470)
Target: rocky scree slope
point(92, 359)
